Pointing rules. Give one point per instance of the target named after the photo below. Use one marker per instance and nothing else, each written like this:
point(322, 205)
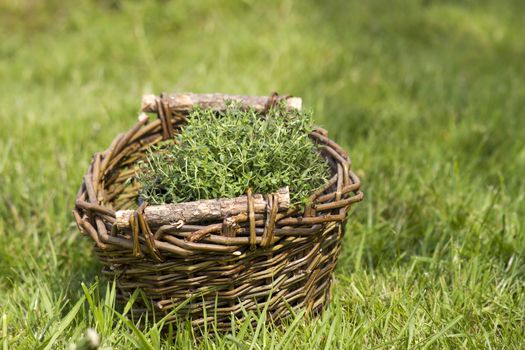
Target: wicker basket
point(226, 263)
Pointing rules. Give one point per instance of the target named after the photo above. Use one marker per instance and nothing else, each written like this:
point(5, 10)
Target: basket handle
point(184, 102)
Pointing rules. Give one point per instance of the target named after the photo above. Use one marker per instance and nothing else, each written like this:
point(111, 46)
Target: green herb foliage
point(222, 154)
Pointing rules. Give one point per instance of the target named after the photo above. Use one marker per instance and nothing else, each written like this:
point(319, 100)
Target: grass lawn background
point(428, 97)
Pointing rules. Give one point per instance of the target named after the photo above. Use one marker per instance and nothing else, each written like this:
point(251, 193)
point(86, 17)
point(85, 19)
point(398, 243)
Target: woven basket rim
point(316, 128)
point(90, 203)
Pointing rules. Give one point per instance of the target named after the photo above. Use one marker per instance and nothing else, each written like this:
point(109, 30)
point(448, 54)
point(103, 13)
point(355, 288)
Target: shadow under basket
point(226, 256)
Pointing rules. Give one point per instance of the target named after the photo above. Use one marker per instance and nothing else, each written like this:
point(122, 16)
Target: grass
point(428, 97)
point(223, 155)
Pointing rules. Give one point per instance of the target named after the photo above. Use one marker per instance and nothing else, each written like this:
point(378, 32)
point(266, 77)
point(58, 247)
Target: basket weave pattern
point(226, 267)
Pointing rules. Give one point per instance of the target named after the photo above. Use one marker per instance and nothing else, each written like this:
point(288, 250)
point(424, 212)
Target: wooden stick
point(203, 210)
point(183, 102)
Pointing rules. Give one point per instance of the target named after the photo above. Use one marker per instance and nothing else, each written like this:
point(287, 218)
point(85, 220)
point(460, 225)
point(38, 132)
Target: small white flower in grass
point(93, 337)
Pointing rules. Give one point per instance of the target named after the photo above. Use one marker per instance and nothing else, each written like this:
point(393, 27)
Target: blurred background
point(427, 96)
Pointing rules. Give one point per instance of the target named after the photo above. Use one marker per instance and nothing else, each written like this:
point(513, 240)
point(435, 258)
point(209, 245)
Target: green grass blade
point(63, 325)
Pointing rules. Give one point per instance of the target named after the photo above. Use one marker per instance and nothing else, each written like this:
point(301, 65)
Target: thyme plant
point(222, 154)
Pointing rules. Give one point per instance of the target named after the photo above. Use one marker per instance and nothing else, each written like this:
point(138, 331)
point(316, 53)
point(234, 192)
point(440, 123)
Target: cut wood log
point(183, 102)
point(203, 210)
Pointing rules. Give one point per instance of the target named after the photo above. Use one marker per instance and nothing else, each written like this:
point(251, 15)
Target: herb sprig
point(222, 154)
